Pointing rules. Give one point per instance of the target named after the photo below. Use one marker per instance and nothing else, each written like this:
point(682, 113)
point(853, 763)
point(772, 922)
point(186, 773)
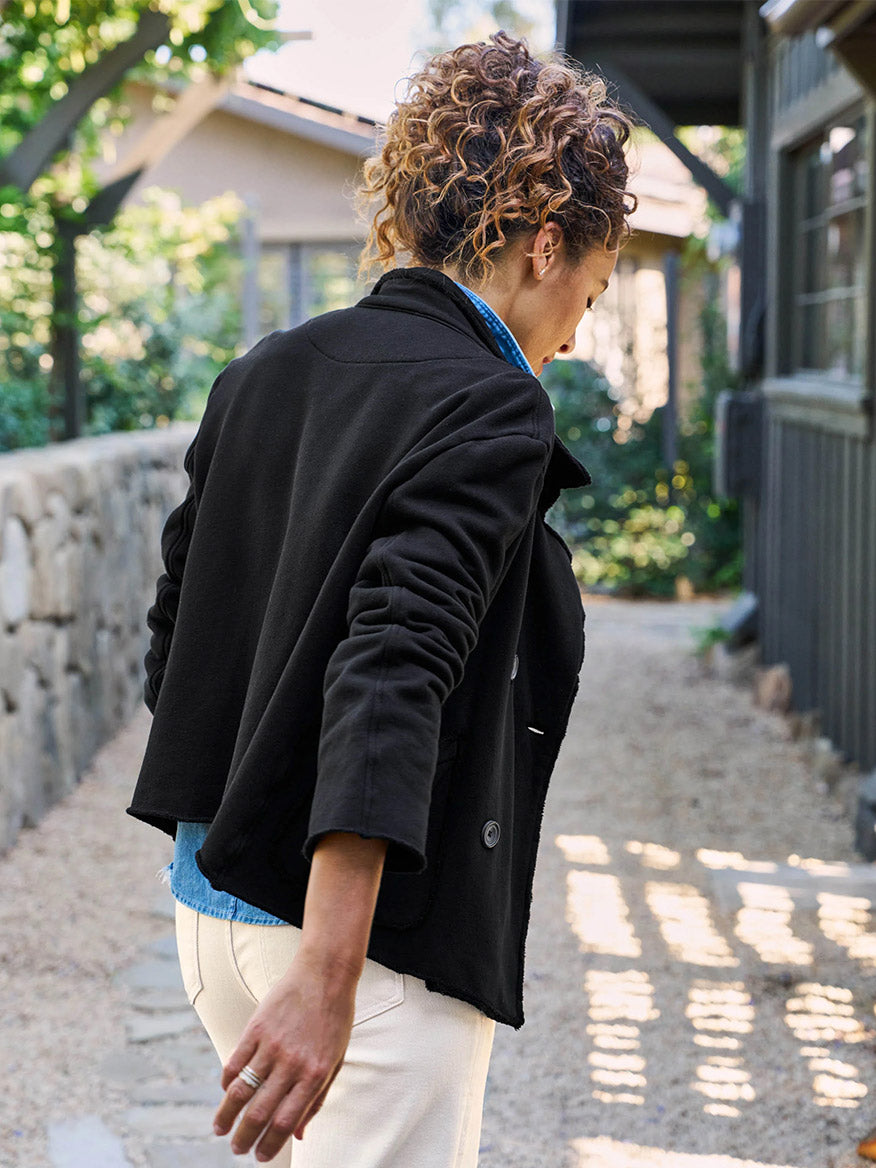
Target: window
point(300, 280)
point(829, 185)
point(274, 288)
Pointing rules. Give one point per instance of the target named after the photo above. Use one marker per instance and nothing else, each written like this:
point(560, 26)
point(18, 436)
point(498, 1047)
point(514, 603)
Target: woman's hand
point(296, 1039)
point(295, 1042)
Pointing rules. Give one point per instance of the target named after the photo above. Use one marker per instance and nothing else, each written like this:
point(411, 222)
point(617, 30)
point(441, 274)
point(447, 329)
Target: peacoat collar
point(429, 292)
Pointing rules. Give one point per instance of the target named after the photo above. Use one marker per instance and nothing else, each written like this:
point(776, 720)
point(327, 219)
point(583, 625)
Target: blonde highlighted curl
point(490, 144)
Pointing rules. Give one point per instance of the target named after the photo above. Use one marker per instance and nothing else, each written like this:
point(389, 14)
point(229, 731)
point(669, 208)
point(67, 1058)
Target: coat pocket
point(404, 897)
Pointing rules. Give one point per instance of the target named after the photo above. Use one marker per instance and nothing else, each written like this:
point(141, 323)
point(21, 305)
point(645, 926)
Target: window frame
point(814, 397)
point(293, 255)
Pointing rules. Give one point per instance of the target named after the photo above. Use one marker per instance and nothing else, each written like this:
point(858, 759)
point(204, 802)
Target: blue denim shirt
point(187, 882)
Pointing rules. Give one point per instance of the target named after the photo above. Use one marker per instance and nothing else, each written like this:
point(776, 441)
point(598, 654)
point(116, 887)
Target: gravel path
point(701, 966)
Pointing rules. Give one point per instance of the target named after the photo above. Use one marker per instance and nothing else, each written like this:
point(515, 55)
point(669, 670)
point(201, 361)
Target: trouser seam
point(230, 941)
point(474, 1065)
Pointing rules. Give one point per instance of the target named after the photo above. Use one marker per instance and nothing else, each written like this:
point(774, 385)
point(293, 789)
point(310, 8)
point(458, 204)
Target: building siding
point(818, 609)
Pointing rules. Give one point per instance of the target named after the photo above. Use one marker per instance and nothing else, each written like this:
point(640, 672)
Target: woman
point(366, 642)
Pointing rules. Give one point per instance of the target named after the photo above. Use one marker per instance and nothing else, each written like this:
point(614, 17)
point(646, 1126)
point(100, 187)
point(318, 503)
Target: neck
point(498, 291)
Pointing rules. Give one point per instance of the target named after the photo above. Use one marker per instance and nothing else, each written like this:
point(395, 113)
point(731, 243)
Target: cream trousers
point(410, 1093)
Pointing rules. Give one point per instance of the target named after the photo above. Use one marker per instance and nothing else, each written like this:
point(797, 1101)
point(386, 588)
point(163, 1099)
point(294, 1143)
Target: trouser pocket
point(379, 988)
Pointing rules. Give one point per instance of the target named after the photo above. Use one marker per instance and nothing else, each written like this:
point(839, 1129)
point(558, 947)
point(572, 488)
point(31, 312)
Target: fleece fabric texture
point(365, 624)
point(187, 882)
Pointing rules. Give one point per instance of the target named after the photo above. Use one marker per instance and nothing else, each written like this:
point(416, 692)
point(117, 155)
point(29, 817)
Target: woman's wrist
point(336, 964)
point(339, 907)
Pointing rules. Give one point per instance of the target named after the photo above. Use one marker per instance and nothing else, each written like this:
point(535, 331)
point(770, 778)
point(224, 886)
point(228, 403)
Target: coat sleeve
point(444, 541)
point(161, 617)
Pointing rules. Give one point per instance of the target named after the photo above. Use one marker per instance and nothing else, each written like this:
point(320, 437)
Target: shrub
point(639, 526)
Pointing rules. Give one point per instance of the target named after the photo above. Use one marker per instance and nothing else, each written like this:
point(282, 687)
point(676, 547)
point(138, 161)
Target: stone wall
point(80, 552)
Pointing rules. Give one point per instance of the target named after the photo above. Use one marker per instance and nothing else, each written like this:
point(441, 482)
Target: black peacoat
point(366, 625)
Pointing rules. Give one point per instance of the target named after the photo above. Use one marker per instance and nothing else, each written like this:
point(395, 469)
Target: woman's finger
point(316, 1105)
point(240, 1057)
point(261, 1113)
point(238, 1093)
point(284, 1121)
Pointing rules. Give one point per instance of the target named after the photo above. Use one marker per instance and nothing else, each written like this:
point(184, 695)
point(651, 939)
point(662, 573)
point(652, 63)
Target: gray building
point(799, 449)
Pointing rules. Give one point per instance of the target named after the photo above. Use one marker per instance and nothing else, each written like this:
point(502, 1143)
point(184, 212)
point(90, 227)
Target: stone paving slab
point(804, 887)
point(196, 1092)
point(166, 1155)
point(85, 1142)
point(166, 1024)
point(160, 1121)
point(151, 975)
point(163, 905)
point(189, 1057)
point(150, 1001)
point(164, 947)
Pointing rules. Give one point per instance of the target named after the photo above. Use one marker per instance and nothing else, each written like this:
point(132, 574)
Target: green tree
point(160, 314)
point(61, 71)
point(454, 22)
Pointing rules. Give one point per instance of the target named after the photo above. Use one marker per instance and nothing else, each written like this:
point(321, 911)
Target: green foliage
point(723, 148)
point(25, 304)
point(24, 418)
point(159, 317)
point(160, 303)
point(640, 525)
point(48, 44)
point(45, 46)
point(705, 636)
point(454, 22)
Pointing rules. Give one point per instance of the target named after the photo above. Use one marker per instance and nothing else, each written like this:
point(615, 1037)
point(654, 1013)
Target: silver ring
point(250, 1077)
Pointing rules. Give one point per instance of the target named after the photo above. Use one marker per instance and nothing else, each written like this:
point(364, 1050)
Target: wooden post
point(670, 410)
point(250, 249)
point(67, 404)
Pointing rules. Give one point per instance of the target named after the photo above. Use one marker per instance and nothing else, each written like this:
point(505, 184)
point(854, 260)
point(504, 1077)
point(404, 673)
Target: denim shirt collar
point(505, 339)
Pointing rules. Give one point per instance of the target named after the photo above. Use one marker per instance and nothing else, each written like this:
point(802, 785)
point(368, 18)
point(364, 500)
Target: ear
point(544, 248)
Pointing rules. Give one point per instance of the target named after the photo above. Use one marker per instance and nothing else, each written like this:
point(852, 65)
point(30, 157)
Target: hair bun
point(491, 142)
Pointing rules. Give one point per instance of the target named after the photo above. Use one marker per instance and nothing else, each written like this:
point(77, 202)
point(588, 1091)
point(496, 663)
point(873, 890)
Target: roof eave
point(348, 141)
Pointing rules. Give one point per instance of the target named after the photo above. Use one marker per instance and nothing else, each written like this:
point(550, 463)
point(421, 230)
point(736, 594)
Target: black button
point(490, 833)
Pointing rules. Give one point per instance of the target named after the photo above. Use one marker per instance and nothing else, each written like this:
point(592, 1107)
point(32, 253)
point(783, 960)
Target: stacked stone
point(80, 529)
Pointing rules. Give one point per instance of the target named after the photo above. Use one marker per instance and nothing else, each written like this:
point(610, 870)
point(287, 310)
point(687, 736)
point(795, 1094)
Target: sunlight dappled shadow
point(764, 923)
point(604, 1152)
point(720, 1012)
point(606, 917)
point(654, 855)
point(826, 1014)
point(597, 912)
point(821, 867)
point(617, 1003)
point(583, 849)
point(718, 860)
point(846, 921)
point(685, 920)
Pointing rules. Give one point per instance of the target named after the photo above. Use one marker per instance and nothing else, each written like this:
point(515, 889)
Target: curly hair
point(490, 144)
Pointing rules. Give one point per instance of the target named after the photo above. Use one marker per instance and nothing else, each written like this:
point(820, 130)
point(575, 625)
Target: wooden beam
point(34, 152)
point(655, 118)
point(102, 208)
point(852, 36)
point(791, 17)
point(191, 107)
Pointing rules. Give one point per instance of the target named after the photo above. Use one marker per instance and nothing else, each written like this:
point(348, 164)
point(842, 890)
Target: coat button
point(490, 833)
point(515, 666)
